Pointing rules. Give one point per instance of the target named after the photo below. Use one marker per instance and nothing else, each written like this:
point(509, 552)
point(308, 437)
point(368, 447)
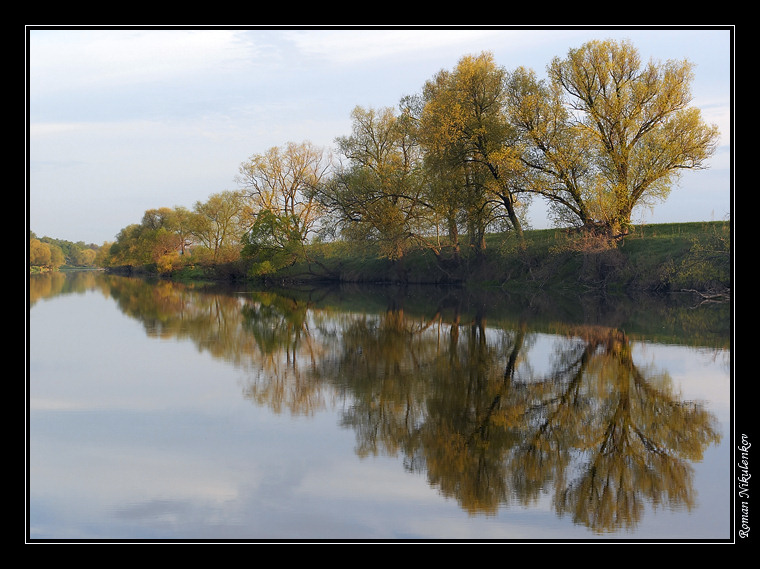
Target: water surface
point(168, 411)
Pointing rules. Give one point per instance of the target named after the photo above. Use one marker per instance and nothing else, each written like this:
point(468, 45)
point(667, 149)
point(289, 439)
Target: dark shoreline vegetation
point(676, 257)
point(684, 318)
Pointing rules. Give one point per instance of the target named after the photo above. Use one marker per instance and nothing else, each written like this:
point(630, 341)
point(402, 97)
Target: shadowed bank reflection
point(498, 403)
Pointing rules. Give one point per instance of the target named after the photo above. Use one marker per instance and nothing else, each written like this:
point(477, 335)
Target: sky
point(124, 120)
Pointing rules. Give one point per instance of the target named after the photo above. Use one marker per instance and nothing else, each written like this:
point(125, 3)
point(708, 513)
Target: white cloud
point(352, 46)
point(67, 59)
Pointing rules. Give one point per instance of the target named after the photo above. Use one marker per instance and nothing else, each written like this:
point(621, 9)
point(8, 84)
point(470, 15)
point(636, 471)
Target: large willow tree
point(280, 182)
point(607, 134)
point(279, 206)
point(377, 194)
point(463, 125)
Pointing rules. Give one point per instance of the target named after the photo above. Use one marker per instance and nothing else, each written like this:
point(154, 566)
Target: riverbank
point(653, 258)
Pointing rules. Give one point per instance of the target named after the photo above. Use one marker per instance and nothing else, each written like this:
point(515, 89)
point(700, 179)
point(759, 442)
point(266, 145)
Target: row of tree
point(47, 253)
point(604, 134)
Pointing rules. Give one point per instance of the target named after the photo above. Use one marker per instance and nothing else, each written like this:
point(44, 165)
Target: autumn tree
point(607, 134)
point(555, 155)
point(218, 225)
point(463, 124)
point(176, 221)
point(280, 181)
point(128, 248)
point(46, 255)
point(377, 193)
point(84, 257)
point(160, 239)
point(444, 192)
point(103, 255)
point(459, 193)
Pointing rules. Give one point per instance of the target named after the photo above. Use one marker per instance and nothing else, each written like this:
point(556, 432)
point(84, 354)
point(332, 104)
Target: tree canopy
point(606, 134)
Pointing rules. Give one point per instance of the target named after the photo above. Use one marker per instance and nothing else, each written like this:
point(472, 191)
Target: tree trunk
point(453, 236)
point(517, 226)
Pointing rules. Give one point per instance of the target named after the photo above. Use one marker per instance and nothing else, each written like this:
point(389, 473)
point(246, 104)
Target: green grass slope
point(662, 257)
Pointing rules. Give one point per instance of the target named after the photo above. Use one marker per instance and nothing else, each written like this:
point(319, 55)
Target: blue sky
point(125, 120)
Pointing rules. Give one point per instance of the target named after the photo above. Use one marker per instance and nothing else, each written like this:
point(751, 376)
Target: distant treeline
point(47, 253)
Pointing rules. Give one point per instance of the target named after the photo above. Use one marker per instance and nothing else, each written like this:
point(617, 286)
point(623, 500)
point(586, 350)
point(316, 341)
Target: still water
point(161, 411)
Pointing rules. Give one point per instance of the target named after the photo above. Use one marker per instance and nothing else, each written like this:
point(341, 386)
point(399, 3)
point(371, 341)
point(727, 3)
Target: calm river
point(161, 411)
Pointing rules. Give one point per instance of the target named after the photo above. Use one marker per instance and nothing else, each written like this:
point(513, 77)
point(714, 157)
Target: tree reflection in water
point(457, 399)
point(602, 434)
